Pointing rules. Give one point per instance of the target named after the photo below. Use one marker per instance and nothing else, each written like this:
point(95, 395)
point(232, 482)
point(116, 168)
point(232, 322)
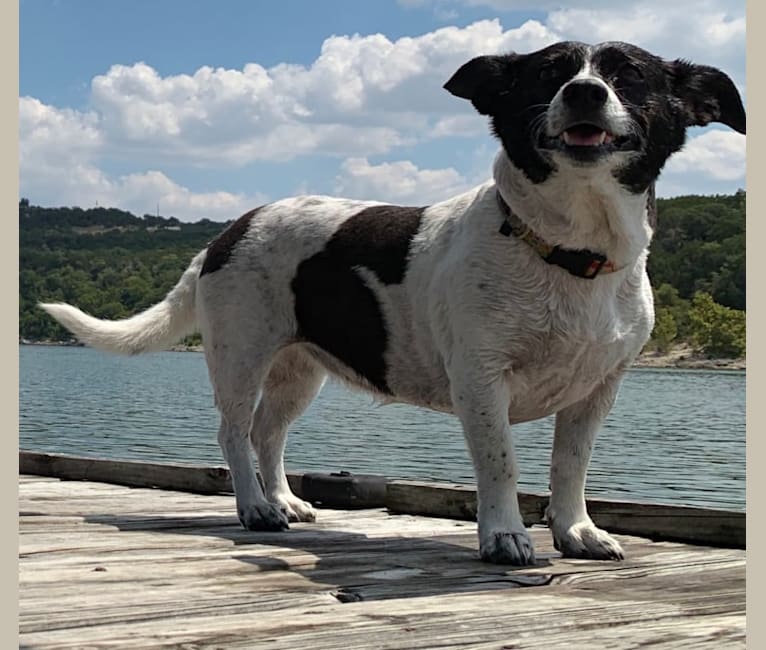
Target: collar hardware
point(580, 263)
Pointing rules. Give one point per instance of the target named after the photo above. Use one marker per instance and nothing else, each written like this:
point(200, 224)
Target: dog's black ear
point(708, 95)
point(483, 80)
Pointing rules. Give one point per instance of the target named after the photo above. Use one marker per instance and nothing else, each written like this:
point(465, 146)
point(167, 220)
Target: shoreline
point(680, 357)
point(686, 358)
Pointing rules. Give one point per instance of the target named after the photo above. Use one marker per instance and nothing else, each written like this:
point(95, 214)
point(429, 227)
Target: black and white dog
point(523, 297)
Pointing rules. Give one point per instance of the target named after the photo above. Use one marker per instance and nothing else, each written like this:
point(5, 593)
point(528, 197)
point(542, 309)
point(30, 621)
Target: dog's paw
point(296, 509)
point(584, 540)
point(507, 547)
point(263, 516)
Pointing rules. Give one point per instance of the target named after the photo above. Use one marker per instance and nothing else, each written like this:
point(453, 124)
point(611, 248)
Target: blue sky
point(210, 108)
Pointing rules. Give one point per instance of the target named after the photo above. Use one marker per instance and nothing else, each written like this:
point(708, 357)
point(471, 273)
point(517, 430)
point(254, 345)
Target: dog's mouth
point(586, 135)
point(588, 141)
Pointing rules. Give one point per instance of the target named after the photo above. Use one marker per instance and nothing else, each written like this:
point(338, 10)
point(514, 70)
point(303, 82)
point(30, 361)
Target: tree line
point(112, 264)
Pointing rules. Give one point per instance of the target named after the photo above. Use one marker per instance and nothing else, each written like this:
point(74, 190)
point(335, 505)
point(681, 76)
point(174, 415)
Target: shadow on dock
point(359, 566)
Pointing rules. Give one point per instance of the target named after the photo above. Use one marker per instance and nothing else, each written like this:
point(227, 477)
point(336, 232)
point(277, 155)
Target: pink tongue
point(578, 138)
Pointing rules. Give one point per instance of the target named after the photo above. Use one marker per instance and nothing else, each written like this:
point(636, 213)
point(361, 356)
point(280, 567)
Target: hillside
point(700, 246)
point(112, 263)
point(106, 261)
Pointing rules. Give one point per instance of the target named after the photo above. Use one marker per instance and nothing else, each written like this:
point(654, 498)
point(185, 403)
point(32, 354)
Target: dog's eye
point(630, 74)
point(548, 72)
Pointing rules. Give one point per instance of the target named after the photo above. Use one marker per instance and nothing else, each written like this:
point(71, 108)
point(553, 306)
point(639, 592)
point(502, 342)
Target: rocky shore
point(680, 356)
point(684, 356)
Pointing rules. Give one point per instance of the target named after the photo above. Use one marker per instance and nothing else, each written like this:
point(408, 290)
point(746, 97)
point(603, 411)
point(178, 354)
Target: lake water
point(674, 436)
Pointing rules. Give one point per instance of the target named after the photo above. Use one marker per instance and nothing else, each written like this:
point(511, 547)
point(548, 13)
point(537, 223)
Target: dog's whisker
point(537, 106)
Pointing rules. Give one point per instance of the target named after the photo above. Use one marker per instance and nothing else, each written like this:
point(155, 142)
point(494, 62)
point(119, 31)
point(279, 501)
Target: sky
point(201, 109)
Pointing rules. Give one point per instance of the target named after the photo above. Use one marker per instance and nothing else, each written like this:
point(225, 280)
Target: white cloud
point(705, 35)
point(58, 167)
point(56, 136)
point(364, 95)
point(398, 182)
point(463, 125)
point(135, 190)
point(86, 186)
point(711, 32)
point(719, 155)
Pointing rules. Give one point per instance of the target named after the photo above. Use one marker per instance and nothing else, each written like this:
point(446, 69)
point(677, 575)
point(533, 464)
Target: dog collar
point(581, 263)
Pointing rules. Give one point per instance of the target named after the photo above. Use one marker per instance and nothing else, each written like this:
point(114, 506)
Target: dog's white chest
point(569, 363)
point(564, 376)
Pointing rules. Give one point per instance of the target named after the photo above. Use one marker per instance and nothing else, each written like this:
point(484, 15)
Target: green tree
point(699, 245)
point(667, 298)
point(665, 330)
point(113, 264)
point(717, 330)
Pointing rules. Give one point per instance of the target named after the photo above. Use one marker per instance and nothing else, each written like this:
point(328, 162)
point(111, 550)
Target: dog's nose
point(584, 94)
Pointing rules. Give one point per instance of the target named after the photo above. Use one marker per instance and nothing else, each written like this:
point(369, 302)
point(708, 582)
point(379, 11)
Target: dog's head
point(611, 104)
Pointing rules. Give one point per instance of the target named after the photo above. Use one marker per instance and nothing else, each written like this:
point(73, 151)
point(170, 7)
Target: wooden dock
point(105, 565)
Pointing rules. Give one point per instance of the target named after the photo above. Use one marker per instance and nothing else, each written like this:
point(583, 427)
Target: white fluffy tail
point(154, 329)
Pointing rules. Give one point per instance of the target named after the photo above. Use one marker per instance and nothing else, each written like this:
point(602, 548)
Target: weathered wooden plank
point(655, 521)
point(679, 523)
point(189, 478)
point(366, 628)
point(460, 621)
point(340, 489)
point(452, 501)
point(103, 575)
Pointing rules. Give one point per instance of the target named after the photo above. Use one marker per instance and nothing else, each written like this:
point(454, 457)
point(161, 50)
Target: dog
point(523, 297)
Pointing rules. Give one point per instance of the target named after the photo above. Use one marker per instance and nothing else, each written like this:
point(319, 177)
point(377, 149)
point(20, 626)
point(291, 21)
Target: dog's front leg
point(482, 407)
point(574, 533)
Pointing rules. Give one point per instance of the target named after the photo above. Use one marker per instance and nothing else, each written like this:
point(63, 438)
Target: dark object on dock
point(706, 526)
point(343, 490)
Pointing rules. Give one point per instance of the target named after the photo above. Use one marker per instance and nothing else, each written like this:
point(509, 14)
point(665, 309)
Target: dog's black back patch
point(220, 249)
point(334, 307)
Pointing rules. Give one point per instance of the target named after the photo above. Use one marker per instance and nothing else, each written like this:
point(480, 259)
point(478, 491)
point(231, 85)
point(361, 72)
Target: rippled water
point(674, 436)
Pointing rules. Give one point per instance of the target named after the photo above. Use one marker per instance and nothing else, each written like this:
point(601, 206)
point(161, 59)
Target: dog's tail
point(154, 329)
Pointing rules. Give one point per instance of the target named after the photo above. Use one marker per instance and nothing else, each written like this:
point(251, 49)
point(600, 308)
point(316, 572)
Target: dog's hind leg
point(292, 383)
point(237, 383)
point(574, 533)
